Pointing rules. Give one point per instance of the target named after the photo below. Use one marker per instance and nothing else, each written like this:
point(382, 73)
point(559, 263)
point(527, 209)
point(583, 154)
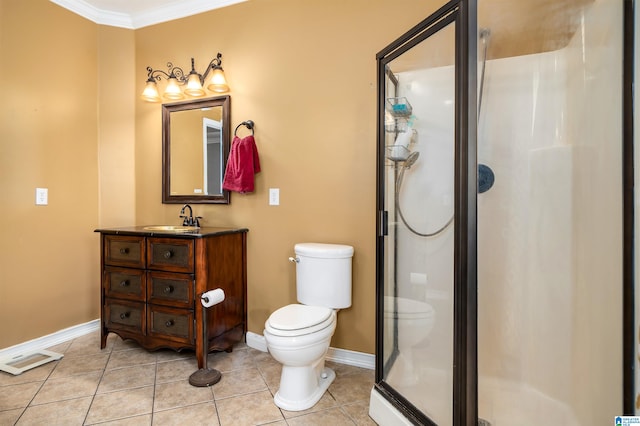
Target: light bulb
point(172, 90)
point(150, 92)
point(218, 81)
point(194, 87)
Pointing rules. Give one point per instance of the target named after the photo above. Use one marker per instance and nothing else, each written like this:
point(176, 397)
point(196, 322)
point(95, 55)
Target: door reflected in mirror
point(196, 140)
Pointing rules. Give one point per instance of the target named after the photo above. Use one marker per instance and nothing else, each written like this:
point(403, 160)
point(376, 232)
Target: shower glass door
point(550, 231)
point(419, 139)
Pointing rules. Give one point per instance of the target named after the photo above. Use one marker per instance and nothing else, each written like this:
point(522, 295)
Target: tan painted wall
point(49, 270)
point(305, 72)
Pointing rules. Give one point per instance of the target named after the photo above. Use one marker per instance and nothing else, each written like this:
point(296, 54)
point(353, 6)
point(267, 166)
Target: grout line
point(86, 416)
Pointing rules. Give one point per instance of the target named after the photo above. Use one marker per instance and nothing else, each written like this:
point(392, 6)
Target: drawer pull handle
point(168, 289)
point(124, 250)
point(125, 315)
point(168, 254)
point(169, 323)
point(124, 283)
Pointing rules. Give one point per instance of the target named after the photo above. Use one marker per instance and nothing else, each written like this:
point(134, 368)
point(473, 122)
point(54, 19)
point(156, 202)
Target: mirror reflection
point(196, 140)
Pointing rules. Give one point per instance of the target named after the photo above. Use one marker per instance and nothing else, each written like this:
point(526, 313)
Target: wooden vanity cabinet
point(152, 282)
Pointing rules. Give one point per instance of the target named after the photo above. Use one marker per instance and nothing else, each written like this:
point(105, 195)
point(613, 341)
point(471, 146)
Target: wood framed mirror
point(196, 137)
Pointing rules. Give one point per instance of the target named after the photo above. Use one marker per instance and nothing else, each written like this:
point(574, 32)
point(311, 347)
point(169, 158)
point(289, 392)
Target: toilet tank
point(323, 274)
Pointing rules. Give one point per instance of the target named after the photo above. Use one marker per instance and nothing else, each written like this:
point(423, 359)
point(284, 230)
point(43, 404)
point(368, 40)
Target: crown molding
point(150, 16)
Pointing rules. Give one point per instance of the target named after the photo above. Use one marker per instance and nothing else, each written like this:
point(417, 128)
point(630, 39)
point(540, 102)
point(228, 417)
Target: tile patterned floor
point(126, 385)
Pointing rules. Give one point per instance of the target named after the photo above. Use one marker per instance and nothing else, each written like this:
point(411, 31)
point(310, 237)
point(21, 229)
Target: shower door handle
point(383, 228)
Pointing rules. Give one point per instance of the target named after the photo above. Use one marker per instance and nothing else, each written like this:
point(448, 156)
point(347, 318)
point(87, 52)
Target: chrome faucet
point(189, 220)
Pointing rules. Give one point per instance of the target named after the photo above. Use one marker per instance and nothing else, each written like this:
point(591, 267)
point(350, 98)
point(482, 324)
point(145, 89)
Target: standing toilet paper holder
point(206, 376)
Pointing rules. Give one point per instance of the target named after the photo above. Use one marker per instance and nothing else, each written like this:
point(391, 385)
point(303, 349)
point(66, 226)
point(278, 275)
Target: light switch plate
point(274, 196)
point(42, 196)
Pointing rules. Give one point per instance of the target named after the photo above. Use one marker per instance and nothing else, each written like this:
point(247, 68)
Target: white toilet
point(298, 335)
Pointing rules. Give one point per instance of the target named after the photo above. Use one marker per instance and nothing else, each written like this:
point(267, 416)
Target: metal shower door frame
point(463, 13)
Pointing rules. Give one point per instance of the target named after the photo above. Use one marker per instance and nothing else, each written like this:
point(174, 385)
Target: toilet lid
point(298, 319)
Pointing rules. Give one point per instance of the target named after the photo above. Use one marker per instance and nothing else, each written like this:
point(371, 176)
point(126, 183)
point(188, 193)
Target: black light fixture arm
point(178, 73)
point(173, 72)
point(216, 63)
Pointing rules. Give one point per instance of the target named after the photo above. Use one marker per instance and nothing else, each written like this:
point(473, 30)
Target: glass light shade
point(194, 88)
point(218, 82)
point(150, 92)
point(172, 90)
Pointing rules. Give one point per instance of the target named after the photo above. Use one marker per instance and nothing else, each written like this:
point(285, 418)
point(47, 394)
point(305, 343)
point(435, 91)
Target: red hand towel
point(242, 164)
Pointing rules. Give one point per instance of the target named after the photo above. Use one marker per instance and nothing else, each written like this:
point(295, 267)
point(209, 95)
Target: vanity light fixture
point(194, 81)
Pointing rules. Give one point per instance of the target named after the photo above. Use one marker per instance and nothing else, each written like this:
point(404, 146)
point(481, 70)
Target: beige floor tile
point(333, 417)
point(88, 345)
point(327, 401)
point(18, 396)
point(130, 421)
point(164, 355)
point(248, 410)
point(228, 361)
point(352, 385)
point(10, 417)
point(173, 371)
point(179, 394)
point(136, 387)
point(60, 348)
point(63, 413)
point(123, 345)
point(200, 414)
point(131, 357)
point(37, 374)
point(239, 382)
point(127, 378)
point(359, 413)
point(79, 365)
point(271, 374)
point(121, 404)
point(71, 387)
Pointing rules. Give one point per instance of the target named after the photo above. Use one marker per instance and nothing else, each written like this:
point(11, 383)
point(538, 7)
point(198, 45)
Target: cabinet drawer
point(125, 315)
point(171, 289)
point(122, 250)
point(170, 254)
point(125, 283)
point(172, 324)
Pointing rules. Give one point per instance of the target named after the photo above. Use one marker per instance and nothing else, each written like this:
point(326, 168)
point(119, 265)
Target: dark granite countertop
point(191, 233)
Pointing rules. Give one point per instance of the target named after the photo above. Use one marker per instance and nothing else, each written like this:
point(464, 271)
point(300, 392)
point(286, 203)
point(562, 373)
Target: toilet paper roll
point(212, 297)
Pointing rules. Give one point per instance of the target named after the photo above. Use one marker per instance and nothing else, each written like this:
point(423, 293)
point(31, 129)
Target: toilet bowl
point(298, 335)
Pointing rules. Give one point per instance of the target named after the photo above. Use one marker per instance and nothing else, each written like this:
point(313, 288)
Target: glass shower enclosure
point(503, 215)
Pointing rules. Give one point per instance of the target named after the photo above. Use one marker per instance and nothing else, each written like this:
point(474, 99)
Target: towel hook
point(248, 124)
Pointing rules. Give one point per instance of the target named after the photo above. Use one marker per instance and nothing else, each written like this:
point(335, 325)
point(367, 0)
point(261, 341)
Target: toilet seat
point(298, 320)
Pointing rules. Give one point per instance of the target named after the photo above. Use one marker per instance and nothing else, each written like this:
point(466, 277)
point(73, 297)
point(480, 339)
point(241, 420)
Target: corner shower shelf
point(399, 107)
point(395, 124)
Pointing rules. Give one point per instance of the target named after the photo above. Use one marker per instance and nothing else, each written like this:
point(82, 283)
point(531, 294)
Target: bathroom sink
point(171, 228)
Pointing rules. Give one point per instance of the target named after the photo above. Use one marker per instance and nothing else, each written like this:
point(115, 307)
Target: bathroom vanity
point(152, 281)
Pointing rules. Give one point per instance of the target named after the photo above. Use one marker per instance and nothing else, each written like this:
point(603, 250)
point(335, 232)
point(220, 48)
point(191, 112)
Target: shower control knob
point(294, 260)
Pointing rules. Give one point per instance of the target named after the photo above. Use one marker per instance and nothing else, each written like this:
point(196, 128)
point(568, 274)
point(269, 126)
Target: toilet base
point(324, 380)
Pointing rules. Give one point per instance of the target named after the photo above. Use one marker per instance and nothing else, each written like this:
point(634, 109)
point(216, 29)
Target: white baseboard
point(356, 359)
point(50, 340)
point(341, 356)
point(256, 341)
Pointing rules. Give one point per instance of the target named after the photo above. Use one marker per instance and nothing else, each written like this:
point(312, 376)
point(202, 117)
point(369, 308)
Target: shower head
point(484, 33)
point(411, 159)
